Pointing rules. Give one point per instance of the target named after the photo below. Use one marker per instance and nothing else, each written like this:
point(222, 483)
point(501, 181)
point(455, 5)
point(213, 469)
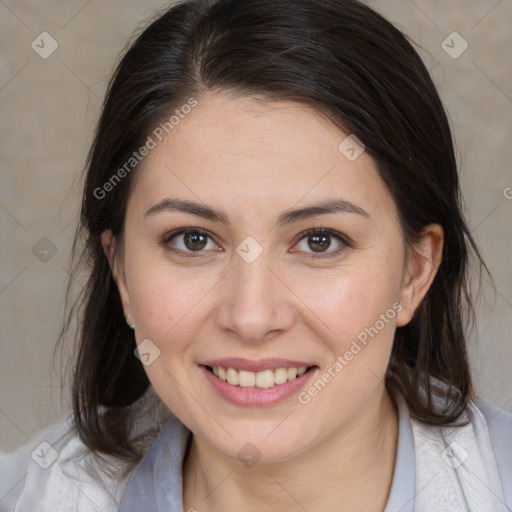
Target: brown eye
point(323, 242)
point(189, 240)
point(319, 243)
point(195, 241)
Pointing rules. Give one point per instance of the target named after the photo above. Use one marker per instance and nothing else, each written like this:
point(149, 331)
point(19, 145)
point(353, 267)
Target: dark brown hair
point(349, 63)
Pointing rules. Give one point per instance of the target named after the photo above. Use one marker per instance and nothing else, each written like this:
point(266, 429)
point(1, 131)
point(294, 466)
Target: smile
point(256, 384)
point(262, 379)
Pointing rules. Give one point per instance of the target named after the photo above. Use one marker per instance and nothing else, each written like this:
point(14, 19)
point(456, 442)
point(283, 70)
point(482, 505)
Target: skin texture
point(254, 161)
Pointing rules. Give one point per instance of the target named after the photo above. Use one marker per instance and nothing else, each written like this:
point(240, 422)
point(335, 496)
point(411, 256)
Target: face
point(254, 249)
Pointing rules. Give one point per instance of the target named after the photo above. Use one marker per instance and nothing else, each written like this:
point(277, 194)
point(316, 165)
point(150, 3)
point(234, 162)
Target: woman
point(278, 287)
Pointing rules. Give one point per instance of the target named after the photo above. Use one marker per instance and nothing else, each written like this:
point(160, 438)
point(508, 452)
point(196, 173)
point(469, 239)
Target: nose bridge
point(254, 303)
point(254, 284)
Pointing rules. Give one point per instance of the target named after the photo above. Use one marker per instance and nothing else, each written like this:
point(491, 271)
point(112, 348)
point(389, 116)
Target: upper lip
point(255, 366)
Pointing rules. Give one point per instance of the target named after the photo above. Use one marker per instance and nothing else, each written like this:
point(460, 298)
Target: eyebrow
point(288, 217)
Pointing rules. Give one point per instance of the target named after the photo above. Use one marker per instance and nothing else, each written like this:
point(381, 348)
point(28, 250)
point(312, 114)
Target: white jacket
point(437, 470)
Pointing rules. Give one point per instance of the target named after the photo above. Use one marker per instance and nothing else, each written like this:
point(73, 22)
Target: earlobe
point(423, 262)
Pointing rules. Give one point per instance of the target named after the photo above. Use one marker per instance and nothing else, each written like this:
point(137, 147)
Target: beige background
point(49, 107)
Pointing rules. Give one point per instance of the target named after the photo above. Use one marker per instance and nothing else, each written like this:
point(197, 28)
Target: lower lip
point(253, 396)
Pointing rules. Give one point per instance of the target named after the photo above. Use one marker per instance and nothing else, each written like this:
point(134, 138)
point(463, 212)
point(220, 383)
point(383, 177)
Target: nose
point(255, 305)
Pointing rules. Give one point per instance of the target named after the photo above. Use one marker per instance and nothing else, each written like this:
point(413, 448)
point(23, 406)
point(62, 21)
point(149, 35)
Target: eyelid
point(345, 241)
point(183, 231)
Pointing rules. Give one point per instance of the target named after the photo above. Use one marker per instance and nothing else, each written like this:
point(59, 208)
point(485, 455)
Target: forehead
point(244, 153)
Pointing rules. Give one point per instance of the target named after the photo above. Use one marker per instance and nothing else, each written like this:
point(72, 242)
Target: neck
point(350, 471)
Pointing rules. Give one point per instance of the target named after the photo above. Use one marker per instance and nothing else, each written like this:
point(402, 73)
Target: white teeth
point(280, 376)
point(263, 379)
point(291, 373)
point(232, 377)
point(246, 379)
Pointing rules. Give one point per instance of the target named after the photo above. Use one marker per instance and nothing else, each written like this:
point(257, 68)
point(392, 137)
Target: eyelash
point(345, 241)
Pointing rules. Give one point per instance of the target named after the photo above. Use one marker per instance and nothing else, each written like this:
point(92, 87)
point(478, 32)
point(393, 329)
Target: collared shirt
point(156, 484)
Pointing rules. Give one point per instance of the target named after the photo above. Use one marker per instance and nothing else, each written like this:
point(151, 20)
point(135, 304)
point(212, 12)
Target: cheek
point(361, 316)
point(166, 302)
point(355, 298)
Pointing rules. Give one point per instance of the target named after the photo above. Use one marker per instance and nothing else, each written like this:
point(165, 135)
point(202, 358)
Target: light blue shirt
point(56, 472)
point(156, 484)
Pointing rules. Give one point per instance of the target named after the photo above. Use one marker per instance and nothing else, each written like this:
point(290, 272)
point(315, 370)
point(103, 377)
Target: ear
point(421, 267)
point(108, 243)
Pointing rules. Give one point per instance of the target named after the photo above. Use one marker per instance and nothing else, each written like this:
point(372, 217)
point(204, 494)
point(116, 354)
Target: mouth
point(249, 383)
point(264, 379)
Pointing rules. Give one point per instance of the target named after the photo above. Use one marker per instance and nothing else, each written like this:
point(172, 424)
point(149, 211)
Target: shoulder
point(499, 420)
point(471, 462)
point(499, 425)
point(56, 472)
